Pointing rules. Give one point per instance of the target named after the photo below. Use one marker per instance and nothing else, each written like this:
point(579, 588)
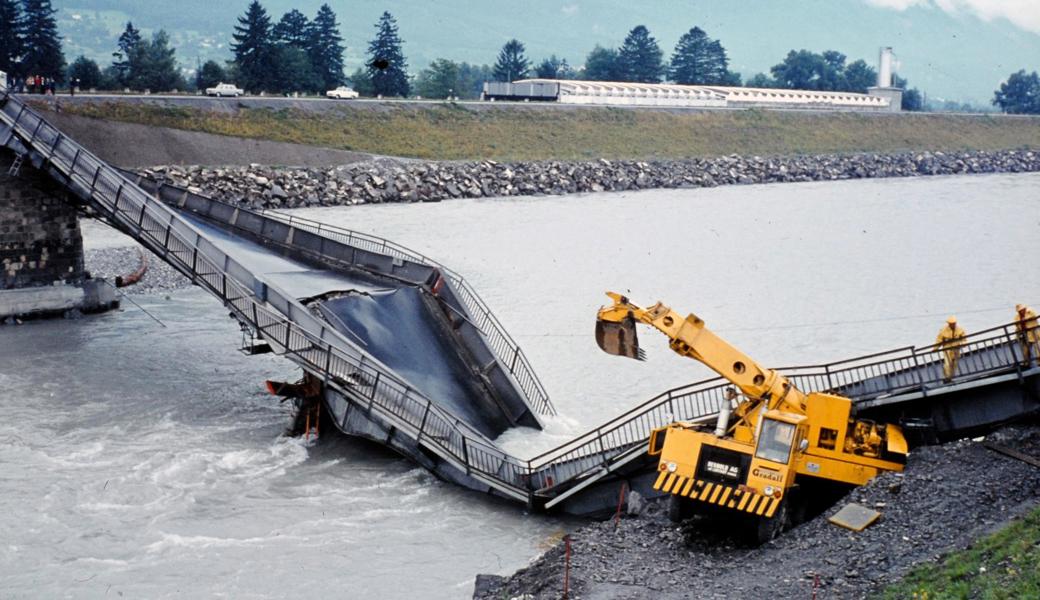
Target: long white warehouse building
point(569, 91)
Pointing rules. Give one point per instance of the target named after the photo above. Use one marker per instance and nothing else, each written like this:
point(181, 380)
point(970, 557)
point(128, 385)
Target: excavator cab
point(776, 440)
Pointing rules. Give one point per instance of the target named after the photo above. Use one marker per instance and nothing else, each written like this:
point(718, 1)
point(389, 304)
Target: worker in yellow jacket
point(950, 339)
point(1028, 334)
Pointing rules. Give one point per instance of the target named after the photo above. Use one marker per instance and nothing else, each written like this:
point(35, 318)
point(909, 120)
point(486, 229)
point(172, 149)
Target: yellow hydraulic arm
point(616, 334)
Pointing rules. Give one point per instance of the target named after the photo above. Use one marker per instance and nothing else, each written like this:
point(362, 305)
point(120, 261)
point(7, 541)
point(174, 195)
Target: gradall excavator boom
point(767, 448)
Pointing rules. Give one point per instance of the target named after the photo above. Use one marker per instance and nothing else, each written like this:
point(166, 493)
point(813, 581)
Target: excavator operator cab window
point(774, 441)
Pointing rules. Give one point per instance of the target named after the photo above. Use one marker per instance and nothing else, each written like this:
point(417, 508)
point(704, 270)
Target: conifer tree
point(10, 36)
point(153, 65)
point(511, 64)
point(690, 60)
point(639, 58)
point(387, 68)
point(325, 49)
point(128, 41)
point(292, 30)
point(252, 47)
point(718, 66)
point(41, 44)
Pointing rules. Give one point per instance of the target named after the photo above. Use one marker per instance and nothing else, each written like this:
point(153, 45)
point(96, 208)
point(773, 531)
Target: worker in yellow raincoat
point(950, 339)
point(1028, 334)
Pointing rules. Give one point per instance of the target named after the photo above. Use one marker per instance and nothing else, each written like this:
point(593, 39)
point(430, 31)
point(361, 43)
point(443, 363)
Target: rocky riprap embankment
point(388, 180)
point(948, 496)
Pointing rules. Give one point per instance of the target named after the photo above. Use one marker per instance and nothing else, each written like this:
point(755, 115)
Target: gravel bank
point(948, 496)
point(112, 262)
point(390, 180)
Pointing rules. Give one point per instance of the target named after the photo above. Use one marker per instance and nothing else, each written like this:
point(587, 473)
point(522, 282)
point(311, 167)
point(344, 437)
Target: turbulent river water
point(145, 461)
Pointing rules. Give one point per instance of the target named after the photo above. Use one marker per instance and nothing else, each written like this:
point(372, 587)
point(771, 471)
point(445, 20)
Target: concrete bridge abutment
point(42, 271)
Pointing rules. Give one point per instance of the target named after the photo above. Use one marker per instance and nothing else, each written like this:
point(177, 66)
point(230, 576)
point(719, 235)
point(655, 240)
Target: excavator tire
point(797, 508)
point(679, 508)
point(767, 529)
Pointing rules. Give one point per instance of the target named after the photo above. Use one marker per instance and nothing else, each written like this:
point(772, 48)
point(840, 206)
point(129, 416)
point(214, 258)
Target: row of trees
point(697, 59)
point(29, 42)
point(293, 55)
point(137, 64)
point(297, 55)
point(828, 71)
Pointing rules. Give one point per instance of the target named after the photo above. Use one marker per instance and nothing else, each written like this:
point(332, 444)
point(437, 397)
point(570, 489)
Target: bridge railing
point(508, 351)
point(979, 353)
point(620, 434)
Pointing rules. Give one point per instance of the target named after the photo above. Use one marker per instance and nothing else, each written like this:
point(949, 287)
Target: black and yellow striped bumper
point(716, 493)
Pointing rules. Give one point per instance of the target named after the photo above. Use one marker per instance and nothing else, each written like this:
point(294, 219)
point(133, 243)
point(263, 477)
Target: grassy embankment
point(1005, 565)
point(445, 132)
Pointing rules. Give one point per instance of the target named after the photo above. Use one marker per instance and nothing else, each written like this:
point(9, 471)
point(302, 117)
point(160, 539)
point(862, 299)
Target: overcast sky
point(1022, 13)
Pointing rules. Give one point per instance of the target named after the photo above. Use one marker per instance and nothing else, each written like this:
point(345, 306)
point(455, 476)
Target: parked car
point(225, 89)
point(342, 93)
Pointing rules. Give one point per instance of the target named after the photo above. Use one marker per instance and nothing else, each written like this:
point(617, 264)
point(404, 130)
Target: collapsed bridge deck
point(410, 356)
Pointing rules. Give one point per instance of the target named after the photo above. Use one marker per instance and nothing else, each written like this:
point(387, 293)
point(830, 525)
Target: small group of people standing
point(35, 84)
point(952, 337)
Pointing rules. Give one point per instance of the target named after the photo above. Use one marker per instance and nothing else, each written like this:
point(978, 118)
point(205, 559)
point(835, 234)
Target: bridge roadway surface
point(411, 358)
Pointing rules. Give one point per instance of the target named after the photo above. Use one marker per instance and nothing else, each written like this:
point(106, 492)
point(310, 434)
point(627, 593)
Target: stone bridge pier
point(42, 273)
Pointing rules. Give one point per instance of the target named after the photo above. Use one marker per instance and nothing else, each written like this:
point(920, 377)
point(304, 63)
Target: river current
point(138, 460)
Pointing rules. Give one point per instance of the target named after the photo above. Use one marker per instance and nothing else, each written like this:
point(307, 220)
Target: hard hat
point(1020, 307)
point(952, 320)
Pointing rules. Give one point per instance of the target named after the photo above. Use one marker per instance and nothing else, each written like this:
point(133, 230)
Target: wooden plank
point(1026, 458)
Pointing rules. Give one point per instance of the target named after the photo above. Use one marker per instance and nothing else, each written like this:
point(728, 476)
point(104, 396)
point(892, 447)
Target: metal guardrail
point(994, 350)
point(379, 392)
point(501, 343)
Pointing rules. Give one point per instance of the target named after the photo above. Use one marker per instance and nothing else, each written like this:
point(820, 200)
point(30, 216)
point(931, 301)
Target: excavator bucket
point(619, 339)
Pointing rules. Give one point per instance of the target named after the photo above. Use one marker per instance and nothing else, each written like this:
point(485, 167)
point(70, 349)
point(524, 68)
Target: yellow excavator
point(769, 451)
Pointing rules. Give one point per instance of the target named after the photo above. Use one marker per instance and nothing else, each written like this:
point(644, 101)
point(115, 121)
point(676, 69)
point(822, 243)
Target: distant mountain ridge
point(952, 57)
